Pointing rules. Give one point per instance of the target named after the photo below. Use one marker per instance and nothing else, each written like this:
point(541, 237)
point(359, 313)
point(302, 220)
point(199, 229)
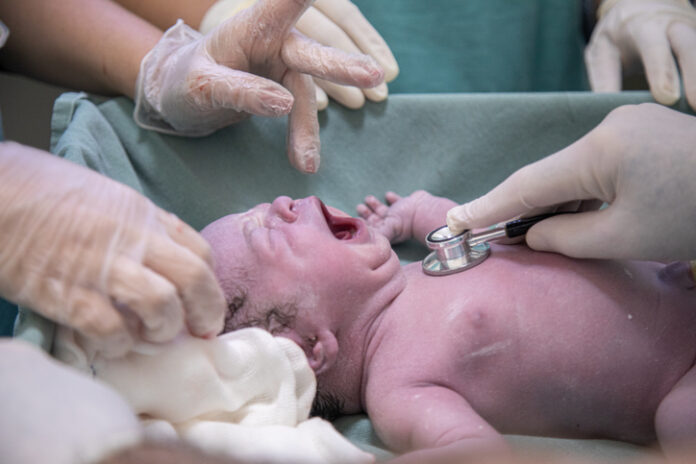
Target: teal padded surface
point(482, 45)
point(8, 314)
point(455, 145)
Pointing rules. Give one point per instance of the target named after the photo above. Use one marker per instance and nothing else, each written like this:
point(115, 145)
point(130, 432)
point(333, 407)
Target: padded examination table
point(455, 145)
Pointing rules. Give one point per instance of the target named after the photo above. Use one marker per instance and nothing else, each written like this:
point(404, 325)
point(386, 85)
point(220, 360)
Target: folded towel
point(245, 394)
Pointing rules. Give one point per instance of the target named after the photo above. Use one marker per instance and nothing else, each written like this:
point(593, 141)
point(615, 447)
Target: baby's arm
point(432, 423)
point(402, 218)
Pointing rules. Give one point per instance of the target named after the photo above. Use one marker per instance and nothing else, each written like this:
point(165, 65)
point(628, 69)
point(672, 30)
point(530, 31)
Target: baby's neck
point(358, 338)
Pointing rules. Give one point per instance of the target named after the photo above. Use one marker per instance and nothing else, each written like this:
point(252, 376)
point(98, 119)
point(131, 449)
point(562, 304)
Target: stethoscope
point(458, 252)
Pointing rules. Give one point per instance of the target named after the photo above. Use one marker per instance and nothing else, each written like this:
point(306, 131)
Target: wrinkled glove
point(641, 160)
point(335, 23)
point(92, 254)
point(647, 31)
point(193, 84)
point(53, 413)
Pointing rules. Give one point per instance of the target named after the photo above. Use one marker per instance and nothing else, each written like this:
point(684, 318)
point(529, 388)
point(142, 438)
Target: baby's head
point(299, 269)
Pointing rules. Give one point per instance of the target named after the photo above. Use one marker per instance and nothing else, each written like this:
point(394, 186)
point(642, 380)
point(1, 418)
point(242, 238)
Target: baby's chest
point(448, 342)
point(501, 345)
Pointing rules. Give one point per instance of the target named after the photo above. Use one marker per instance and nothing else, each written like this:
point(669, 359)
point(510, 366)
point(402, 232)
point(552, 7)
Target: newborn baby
point(524, 343)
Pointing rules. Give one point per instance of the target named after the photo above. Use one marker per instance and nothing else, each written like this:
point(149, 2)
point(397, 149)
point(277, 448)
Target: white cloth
point(54, 414)
point(246, 394)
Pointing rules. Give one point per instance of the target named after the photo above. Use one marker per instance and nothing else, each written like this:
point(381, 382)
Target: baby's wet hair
point(234, 304)
point(274, 318)
point(243, 312)
point(326, 405)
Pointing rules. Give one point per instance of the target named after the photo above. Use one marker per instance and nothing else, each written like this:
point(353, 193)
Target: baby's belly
point(551, 346)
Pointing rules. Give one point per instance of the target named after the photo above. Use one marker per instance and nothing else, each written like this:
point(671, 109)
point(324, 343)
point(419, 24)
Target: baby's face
point(299, 254)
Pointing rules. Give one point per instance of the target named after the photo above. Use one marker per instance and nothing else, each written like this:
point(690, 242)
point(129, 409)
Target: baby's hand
point(395, 219)
point(392, 221)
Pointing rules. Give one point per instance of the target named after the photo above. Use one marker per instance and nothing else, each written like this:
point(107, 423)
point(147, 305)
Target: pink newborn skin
point(525, 343)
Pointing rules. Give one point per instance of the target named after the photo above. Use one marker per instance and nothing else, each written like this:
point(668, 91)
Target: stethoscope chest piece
point(452, 253)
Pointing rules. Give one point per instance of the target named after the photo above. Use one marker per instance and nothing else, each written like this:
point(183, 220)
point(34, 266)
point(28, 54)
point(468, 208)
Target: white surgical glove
point(53, 413)
point(641, 160)
point(194, 84)
point(335, 23)
point(93, 254)
point(649, 31)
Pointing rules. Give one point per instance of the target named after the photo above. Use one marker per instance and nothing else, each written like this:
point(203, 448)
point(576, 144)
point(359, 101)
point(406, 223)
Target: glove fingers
point(151, 297)
point(246, 92)
point(583, 235)
point(191, 280)
point(315, 25)
point(275, 18)
point(309, 57)
point(348, 16)
point(683, 40)
point(84, 309)
point(553, 180)
point(185, 235)
point(603, 62)
point(377, 94)
point(91, 314)
point(660, 67)
point(303, 126)
point(350, 97)
point(322, 98)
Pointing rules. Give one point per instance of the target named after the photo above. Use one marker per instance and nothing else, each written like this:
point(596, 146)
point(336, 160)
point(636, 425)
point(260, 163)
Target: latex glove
point(336, 23)
point(52, 413)
point(193, 84)
point(641, 160)
point(649, 31)
point(92, 254)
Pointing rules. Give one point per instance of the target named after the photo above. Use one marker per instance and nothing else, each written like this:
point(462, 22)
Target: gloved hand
point(92, 254)
point(335, 23)
point(193, 84)
point(649, 31)
point(78, 420)
point(641, 160)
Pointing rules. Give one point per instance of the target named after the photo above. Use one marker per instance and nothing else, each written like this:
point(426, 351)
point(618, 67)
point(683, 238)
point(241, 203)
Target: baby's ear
point(322, 355)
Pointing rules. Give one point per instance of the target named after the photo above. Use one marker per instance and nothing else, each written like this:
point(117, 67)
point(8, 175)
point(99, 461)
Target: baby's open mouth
point(342, 227)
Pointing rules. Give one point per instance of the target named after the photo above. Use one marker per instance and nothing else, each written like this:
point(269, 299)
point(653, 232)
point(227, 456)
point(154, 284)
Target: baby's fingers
point(363, 211)
point(377, 206)
point(392, 197)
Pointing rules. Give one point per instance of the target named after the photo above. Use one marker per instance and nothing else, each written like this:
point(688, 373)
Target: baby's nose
point(283, 208)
